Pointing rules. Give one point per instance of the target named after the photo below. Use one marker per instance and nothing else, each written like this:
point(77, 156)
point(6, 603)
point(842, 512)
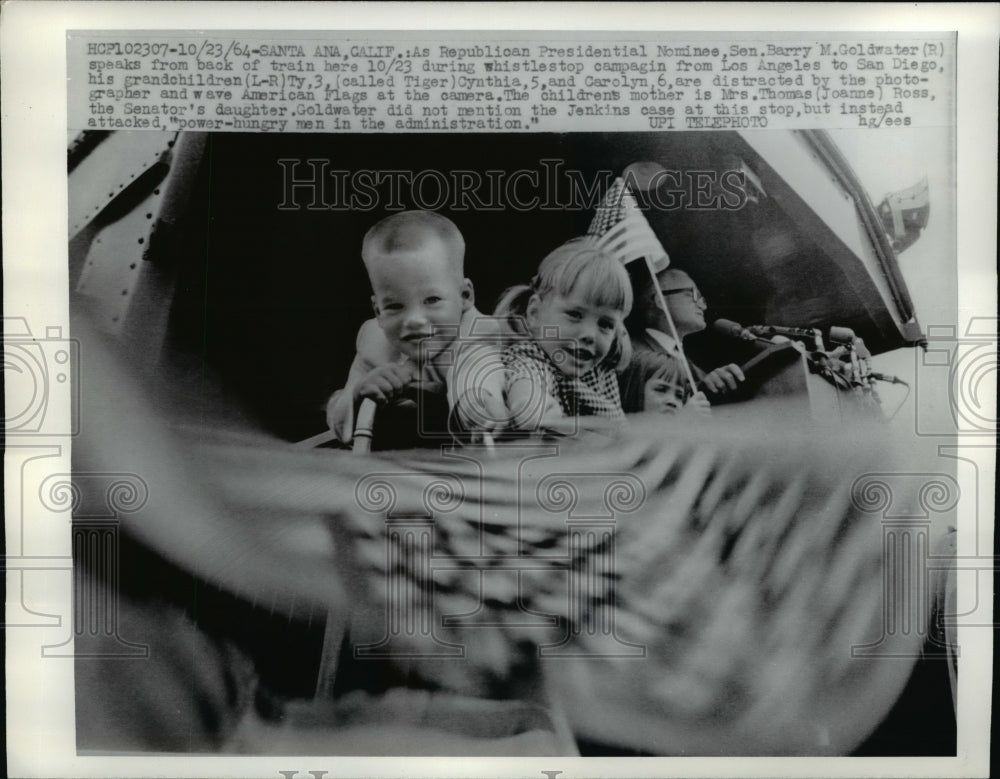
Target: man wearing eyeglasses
point(650, 329)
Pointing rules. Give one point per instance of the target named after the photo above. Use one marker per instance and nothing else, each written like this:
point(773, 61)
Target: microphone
point(841, 335)
point(732, 329)
point(766, 331)
point(846, 337)
point(887, 378)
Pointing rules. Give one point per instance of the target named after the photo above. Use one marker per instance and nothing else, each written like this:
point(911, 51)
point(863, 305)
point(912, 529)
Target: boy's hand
point(385, 383)
point(696, 407)
point(481, 410)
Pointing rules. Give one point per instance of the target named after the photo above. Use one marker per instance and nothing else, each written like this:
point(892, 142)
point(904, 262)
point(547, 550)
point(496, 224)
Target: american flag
point(621, 230)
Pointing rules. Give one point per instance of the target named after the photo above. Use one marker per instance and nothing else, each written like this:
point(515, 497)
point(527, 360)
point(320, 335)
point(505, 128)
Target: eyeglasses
point(691, 292)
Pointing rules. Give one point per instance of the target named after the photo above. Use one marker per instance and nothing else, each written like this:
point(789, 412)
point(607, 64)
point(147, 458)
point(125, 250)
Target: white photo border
point(40, 717)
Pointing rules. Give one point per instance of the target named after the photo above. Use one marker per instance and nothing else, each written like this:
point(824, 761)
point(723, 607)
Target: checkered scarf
point(595, 393)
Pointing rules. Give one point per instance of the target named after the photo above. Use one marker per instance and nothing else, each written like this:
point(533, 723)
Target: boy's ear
point(531, 310)
point(468, 295)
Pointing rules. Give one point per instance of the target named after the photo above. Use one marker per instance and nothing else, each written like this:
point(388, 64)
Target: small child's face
point(417, 293)
point(661, 394)
point(576, 334)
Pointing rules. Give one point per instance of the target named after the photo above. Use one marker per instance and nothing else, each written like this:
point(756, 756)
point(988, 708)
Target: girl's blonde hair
point(576, 267)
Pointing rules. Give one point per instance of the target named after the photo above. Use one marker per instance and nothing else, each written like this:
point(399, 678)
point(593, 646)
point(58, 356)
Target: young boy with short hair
point(427, 333)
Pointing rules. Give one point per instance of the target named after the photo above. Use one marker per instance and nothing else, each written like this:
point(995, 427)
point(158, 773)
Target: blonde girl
point(568, 339)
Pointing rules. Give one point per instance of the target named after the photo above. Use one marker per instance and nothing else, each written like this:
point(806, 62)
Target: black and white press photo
point(414, 398)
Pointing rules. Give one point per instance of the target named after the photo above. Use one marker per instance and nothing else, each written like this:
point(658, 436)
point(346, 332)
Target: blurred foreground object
point(675, 591)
